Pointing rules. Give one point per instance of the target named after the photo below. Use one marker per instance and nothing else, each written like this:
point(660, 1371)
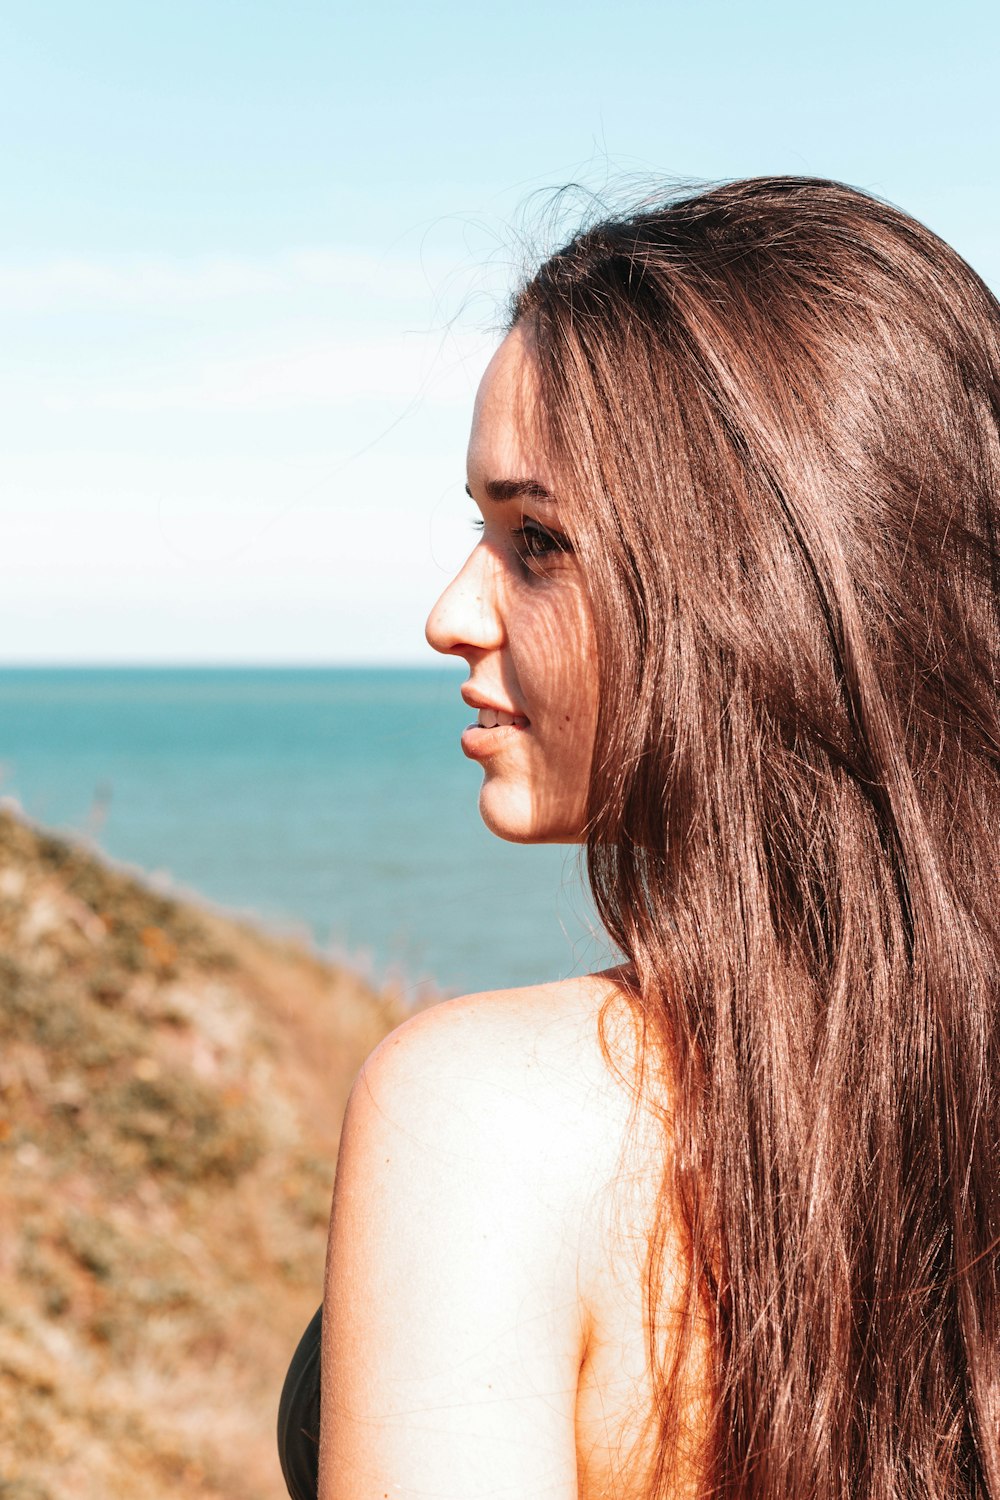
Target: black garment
point(298, 1416)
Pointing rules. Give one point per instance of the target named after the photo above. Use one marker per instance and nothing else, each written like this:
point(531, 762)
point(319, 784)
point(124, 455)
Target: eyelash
point(531, 535)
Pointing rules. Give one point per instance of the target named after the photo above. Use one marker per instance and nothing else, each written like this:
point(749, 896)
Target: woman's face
point(516, 612)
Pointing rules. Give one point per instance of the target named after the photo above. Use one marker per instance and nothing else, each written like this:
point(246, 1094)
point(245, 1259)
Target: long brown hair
point(774, 407)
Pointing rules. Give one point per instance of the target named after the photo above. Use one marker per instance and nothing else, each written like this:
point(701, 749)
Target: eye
point(534, 541)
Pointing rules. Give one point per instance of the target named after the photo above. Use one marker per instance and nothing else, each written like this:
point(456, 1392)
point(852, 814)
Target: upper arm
point(453, 1331)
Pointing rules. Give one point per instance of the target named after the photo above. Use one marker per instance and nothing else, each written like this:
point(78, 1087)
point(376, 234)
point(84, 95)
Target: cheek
point(554, 658)
point(547, 668)
point(563, 683)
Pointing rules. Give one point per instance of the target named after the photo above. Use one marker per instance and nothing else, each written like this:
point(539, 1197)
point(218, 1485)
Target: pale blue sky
point(250, 257)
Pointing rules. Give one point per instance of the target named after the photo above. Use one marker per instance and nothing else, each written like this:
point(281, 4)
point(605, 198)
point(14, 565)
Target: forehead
point(504, 440)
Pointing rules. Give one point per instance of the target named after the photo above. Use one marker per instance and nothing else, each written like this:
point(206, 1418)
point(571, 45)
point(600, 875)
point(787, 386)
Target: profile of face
point(517, 613)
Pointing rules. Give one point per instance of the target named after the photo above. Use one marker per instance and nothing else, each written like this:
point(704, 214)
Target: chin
point(513, 815)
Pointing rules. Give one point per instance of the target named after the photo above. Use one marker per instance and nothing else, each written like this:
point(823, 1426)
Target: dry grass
point(171, 1090)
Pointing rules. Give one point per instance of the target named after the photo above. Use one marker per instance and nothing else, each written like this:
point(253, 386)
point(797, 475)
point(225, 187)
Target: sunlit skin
point(516, 612)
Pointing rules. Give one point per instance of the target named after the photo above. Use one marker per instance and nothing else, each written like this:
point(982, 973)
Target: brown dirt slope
point(172, 1084)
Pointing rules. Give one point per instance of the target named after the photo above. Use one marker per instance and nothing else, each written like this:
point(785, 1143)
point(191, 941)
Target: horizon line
point(244, 665)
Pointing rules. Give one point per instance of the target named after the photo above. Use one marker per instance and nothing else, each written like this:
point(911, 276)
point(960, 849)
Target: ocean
point(331, 802)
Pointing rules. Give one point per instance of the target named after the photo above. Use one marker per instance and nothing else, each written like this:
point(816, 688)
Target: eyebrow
point(514, 489)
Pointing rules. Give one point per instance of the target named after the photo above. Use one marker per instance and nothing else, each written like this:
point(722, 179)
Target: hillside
point(172, 1084)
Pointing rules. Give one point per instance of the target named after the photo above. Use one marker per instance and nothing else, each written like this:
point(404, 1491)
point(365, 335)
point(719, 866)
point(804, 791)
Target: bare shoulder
point(526, 1099)
point(459, 1260)
point(524, 1067)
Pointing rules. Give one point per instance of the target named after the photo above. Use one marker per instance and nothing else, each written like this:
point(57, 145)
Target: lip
point(479, 743)
point(474, 700)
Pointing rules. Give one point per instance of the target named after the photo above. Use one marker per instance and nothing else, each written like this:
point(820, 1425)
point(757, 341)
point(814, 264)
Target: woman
point(723, 1221)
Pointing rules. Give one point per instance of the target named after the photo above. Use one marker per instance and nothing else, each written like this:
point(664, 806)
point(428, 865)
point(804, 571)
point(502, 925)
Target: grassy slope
point(171, 1089)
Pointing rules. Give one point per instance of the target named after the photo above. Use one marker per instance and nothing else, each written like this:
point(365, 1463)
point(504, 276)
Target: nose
point(467, 617)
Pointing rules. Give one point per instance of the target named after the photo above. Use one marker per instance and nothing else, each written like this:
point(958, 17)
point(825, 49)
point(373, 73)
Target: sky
point(255, 256)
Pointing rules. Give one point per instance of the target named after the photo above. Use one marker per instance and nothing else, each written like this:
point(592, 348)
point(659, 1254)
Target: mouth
point(493, 730)
point(494, 718)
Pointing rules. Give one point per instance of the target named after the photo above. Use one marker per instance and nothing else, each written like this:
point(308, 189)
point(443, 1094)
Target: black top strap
point(298, 1416)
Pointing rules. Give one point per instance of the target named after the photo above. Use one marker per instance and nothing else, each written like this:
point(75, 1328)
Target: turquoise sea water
point(335, 800)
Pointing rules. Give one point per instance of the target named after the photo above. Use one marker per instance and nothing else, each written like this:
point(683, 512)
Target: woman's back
point(616, 1426)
